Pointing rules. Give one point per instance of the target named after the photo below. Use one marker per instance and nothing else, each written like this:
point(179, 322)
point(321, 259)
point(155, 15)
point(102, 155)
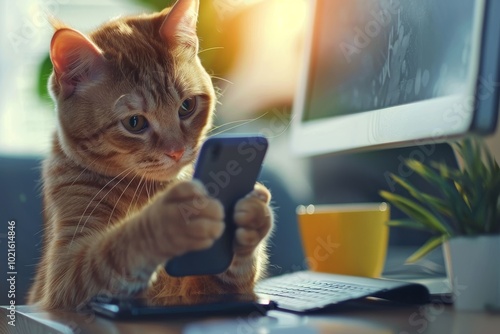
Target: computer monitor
point(387, 73)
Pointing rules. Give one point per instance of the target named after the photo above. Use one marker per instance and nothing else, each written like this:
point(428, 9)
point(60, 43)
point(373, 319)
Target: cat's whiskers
point(218, 93)
point(118, 200)
point(243, 122)
point(222, 79)
point(229, 123)
point(211, 49)
point(154, 188)
point(147, 190)
point(100, 201)
point(284, 130)
point(152, 192)
point(128, 170)
point(247, 121)
point(131, 205)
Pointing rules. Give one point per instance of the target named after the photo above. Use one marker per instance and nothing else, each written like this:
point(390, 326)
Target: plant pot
point(473, 266)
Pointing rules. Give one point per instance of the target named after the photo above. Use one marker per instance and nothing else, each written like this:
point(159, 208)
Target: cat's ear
point(179, 26)
point(75, 58)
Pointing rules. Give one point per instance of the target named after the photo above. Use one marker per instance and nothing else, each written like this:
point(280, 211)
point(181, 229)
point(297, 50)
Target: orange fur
point(111, 194)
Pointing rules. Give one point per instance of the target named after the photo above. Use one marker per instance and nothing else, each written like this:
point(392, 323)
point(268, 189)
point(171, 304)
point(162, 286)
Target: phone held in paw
point(228, 167)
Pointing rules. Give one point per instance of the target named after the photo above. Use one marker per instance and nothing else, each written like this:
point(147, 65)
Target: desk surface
point(432, 318)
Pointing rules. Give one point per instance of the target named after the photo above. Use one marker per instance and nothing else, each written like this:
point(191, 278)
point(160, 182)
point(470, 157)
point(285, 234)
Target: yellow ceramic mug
point(348, 239)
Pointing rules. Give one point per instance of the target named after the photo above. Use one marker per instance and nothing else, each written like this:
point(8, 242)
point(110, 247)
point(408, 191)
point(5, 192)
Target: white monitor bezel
point(437, 119)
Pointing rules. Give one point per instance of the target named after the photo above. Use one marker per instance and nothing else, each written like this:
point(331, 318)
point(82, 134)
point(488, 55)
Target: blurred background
point(250, 47)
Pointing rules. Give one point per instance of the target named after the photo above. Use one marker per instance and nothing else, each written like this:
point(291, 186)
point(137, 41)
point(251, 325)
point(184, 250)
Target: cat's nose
point(175, 154)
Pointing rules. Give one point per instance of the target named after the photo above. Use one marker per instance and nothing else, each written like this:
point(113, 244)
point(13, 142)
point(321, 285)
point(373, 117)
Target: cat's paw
point(253, 218)
point(187, 219)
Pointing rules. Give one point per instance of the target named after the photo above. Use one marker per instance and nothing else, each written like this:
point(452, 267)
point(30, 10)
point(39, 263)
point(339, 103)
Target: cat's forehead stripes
point(135, 49)
point(173, 90)
point(146, 99)
point(133, 104)
point(138, 100)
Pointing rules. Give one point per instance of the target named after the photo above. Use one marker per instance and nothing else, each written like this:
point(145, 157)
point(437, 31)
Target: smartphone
point(228, 166)
point(131, 308)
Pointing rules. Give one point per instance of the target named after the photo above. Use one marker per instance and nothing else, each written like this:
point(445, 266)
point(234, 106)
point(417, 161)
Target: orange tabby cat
point(134, 104)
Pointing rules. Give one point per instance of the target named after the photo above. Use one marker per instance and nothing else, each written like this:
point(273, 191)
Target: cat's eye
point(188, 107)
point(135, 124)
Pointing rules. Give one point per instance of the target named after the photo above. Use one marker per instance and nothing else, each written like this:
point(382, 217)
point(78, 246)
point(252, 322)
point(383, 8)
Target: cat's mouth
point(161, 169)
point(159, 172)
point(152, 162)
point(153, 165)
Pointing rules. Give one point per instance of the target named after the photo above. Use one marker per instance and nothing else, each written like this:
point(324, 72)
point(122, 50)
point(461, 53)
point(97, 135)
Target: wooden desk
point(433, 318)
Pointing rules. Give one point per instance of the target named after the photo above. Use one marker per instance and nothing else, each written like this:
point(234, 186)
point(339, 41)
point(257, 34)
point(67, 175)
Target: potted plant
point(465, 218)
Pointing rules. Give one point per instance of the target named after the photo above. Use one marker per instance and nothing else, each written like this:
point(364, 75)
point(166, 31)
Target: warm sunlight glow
point(267, 66)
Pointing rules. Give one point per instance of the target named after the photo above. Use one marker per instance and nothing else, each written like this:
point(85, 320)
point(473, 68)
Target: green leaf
point(495, 168)
point(453, 198)
point(471, 149)
point(433, 202)
point(408, 223)
point(416, 212)
point(466, 152)
point(157, 4)
point(492, 224)
point(426, 248)
point(44, 72)
point(429, 174)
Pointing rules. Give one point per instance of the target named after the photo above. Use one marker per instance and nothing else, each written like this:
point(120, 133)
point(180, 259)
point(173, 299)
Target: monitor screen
point(391, 72)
